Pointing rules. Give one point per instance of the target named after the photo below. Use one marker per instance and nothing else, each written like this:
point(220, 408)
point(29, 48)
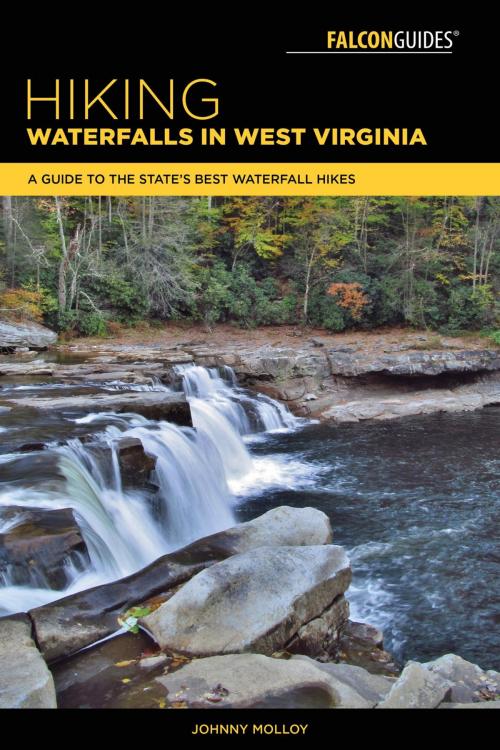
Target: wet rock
point(171, 407)
point(372, 688)
point(25, 681)
point(257, 681)
point(25, 335)
point(255, 601)
point(73, 622)
point(38, 543)
point(117, 673)
point(135, 464)
point(468, 682)
point(417, 687)
point(362, 645)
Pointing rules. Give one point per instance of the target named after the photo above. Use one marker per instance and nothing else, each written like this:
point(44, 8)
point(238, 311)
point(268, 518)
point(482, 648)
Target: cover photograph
point(250, 373)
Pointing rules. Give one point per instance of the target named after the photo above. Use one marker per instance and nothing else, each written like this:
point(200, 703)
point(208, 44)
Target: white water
point(198, 473)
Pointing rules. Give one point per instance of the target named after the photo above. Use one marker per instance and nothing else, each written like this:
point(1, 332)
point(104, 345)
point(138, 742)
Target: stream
point(415, 501)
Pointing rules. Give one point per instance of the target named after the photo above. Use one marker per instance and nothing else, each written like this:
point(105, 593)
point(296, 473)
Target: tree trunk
point(476, 242)
point(9, 229)
point(63, 265)
point(309, 267)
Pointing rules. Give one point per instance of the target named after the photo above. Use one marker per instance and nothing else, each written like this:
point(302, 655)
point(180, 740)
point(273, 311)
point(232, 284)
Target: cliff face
point(349, 384)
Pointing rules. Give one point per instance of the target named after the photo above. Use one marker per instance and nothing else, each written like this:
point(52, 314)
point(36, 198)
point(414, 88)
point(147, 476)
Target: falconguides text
point(83, 136)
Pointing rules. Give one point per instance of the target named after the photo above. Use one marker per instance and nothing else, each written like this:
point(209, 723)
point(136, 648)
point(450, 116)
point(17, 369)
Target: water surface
point(417, 504)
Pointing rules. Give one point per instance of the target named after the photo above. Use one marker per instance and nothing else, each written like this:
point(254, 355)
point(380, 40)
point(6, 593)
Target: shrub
point(493, 336)
point(114, 328)
point(21, 304)
point(81, 323)
point(470, 308)
point(325, 312)
point(120, 298)
point(237, 295)
point(91, 324)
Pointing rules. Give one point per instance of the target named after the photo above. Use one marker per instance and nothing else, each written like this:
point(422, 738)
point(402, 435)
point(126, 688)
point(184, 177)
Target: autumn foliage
point(350, 297)
point(21, 304)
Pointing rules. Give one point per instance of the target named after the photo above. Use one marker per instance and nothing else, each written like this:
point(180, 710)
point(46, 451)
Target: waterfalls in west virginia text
point(198, 474)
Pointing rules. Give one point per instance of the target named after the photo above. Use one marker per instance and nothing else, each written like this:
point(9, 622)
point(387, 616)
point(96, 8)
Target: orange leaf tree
point(350, 297)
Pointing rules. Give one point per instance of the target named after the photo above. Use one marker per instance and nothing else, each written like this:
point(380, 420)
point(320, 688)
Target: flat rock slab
point(431, 401)
point(152, 405)
point(372, 688)
point(257, 681)
point(417, 687)
point(254, 601)
point(414, 363)
point(25, 681)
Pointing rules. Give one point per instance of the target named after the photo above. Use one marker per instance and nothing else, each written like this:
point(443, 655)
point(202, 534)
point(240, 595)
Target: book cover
point(249, 331)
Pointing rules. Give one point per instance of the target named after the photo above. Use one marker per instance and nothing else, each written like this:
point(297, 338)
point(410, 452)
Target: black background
point(451, 97)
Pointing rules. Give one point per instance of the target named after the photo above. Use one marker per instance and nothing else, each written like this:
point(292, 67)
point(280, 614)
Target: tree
point(318, 230)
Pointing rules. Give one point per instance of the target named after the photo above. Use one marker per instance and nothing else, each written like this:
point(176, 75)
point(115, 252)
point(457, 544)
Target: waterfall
point(196, 472)
point(247, 413)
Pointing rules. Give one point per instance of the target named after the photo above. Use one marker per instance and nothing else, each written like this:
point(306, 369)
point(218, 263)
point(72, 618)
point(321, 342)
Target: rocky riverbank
point(252, 617)
point(331, 378)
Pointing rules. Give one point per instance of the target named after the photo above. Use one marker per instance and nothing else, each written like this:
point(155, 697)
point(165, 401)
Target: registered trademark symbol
point(456, 33)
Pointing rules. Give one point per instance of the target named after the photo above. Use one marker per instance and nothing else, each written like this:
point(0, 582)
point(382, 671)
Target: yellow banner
point(249, 179)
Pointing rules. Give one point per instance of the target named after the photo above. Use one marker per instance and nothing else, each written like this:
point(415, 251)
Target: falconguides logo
point(392, 41)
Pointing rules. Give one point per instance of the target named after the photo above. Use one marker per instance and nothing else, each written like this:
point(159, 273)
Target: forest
point(91, 265)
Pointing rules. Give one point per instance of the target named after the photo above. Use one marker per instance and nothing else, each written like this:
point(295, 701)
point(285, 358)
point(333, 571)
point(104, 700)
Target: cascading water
point(196, 474)
point(247, 413)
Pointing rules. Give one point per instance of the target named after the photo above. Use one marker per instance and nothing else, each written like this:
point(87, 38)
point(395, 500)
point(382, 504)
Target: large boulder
point(468, 682)
point(67, 625)
point(257, 681)
point(280, 527)
point(25, 681)
point(417, 687)
point(256, 601)
point(20, 335)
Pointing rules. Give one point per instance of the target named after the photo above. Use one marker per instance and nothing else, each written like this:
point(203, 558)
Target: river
point(415, 502)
